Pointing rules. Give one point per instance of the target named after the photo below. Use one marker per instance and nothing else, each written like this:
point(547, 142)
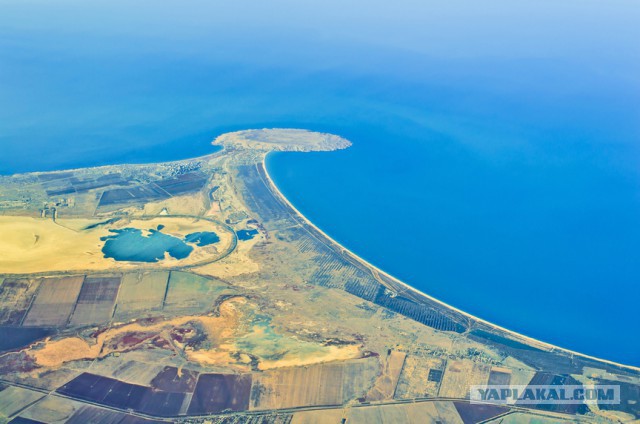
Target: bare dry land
point(36, 245)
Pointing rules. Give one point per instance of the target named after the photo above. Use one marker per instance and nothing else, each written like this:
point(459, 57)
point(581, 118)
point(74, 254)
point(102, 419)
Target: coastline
point(374, 269)
point(369, 266)
point(57, 169)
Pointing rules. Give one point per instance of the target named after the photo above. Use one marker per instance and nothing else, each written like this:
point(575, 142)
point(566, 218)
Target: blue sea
point(496, 156)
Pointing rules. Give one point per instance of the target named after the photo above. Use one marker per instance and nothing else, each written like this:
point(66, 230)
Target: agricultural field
point(422, 412)
point(15, 298)
point(386, 383)
point(51, 409)
point(54, 301)
point(158, 190)
point(15, 399)
point(420, 377)
point(459, 375)
point(141, 293)
point(215, 393)
point(314, 385)
point(188, 291)
point(96, 300)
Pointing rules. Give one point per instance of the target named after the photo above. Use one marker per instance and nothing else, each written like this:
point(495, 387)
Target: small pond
point(246, 234)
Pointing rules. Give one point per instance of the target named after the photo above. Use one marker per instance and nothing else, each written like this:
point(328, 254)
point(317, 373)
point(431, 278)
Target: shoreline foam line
point(516, 335)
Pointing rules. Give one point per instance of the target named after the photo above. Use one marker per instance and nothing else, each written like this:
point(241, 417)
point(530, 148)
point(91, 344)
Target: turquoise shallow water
point(130, 244)
point(204, 238)
point(496, 157)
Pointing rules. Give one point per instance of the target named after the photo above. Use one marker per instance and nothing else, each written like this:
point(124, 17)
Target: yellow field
point(411, 413)
point(141, 292)
point(330, 383)
point(30, 245)
point(13, 399)
point(387, 381)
